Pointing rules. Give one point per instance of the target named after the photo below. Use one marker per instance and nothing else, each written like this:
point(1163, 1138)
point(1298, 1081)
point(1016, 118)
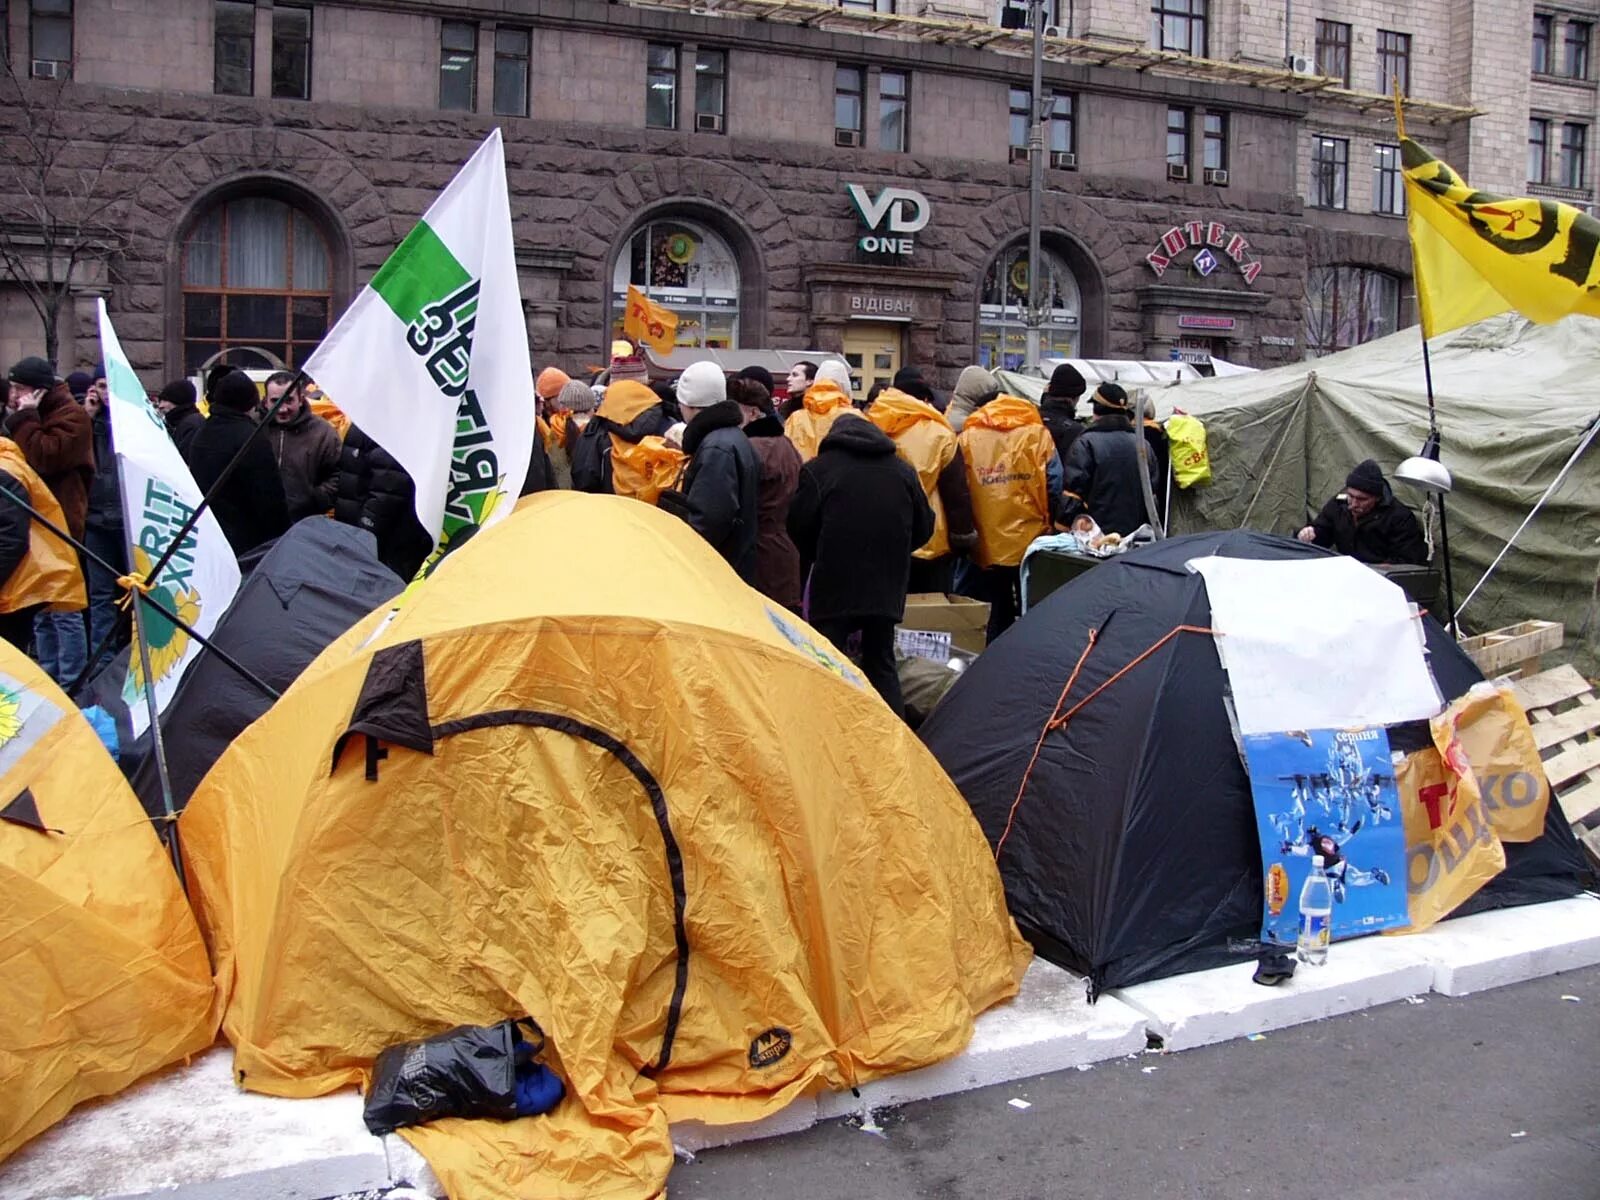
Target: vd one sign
point(890, 218)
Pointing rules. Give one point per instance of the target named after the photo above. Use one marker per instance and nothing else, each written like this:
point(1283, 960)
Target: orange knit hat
point(550, 382)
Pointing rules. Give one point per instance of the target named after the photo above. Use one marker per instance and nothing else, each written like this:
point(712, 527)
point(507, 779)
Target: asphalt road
point(1490, 1097)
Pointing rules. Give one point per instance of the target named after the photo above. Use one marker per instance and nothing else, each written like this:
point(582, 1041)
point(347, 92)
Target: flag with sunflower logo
point(158, 496)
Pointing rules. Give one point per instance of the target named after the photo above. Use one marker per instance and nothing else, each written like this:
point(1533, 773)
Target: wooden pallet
point(1514, 648)
point(1565, 714)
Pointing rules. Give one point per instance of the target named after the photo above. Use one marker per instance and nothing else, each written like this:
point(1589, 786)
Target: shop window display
point(692, 271)
point(1003, 305)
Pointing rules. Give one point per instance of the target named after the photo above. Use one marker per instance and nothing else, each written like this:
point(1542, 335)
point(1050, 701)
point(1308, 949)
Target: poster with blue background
point(1328, 792)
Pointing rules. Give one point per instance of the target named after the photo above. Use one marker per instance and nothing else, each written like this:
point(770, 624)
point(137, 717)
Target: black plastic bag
point(469, 1071)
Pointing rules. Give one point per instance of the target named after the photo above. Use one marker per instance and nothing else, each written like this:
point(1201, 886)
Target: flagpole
point(216, 486)
point(222, 655)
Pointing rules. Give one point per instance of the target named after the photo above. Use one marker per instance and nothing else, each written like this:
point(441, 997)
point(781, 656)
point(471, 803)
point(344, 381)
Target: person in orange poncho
point(825, 399)
point(923, 438)
point(1015, 478)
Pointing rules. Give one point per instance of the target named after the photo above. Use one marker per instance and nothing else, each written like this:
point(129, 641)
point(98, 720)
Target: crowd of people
point(833, 509)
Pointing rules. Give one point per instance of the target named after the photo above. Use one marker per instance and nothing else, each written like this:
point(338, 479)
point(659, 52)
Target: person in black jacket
point(1058, 408)
point(103, 531)
point(182, 416)
point(250, 505)
point(857, 516)
point(378, 495)
point(1366, 522)
point(723, 479)
point(629, 410)
point(1102, 469)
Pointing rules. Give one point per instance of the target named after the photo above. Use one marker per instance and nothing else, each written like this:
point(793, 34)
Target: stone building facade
point(265, 156)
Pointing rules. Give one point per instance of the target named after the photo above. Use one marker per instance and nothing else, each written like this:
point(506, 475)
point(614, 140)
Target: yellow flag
point(648, 322)
point(1477, 254)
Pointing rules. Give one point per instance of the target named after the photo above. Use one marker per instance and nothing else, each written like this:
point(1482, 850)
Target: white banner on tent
point(1319, 643)
point(158, 496)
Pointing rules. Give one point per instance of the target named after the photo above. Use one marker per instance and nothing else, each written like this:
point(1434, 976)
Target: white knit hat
point(701, 385)
point(836, 373)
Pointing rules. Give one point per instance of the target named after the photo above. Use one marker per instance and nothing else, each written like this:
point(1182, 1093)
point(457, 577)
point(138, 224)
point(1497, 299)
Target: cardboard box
point(964, 619)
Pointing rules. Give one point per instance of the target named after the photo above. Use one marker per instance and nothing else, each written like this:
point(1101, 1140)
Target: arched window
point(1346, 306)
point(690, 270)
point(1003, 310)
point(257, 287)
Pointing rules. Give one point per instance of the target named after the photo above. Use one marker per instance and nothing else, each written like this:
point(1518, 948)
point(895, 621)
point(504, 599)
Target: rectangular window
point(1178, 121)
point(1179, 25)
point(1330, 172)
point(1388, 188)
point(50, 32)
point(1394, 61)
point(234, 65)
point(1575, 64)
point(1063, 126)
point(291, 52)
point(710, 89)
point(1574, 141)
point(1538, 150)
point(1542, 23)
point(1021, 116)
point(894, 99)
point(1214, 150)
point(458, 66)
point(849, 90)
point(512, 49)
point(661, 87)
point(1333, 51)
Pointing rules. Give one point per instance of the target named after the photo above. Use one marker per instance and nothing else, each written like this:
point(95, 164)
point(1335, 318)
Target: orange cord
point(1058, 719)
point(1039, 745)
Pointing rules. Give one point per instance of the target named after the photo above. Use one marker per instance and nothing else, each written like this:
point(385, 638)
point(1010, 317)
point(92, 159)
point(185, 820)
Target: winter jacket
point(541, 476)
point(975, 387)
point(36, 567)
point(105, 493)
point(183, 422)
point(628, 413)
point(307, 452)
point(858, 514)
point(823, 403)
point(923, 438)
point(1103, 477)
point(376, 494)
point(1060, 417)
point(57, 437)
point(1014, 476)
point(250, 506)
point(1390, 533)
point(721, 486)
point(777, 560)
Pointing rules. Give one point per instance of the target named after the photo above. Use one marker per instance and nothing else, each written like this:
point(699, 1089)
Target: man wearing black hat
point(1103, 468)
point(1058, 407)
point(182, 414)
point(1366, 522)
point(250, 506)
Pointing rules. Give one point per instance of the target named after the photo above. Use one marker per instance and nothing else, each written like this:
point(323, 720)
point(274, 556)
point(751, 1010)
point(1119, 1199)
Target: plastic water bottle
point(1316, 916)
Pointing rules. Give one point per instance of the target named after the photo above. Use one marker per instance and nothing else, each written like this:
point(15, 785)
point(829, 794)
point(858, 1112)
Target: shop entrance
point(873, 352)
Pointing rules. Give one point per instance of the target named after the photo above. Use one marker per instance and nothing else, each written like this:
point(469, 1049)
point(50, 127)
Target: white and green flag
point(158, 497)
point(431, 359)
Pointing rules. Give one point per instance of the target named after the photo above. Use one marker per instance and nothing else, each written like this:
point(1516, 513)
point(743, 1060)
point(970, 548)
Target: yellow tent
point(587, 775)
point(104, 976)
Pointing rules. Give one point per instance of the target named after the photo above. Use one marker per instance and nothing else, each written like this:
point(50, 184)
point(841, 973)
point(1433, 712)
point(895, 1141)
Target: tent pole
point(222, 655)
point(1444, 525)
point(158, 749)
point(1561, 475)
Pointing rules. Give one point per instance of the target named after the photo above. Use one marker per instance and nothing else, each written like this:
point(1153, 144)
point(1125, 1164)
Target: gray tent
point(1514, 401)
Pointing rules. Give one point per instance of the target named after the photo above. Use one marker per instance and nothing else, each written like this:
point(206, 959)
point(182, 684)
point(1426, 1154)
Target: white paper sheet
point(1323, 643)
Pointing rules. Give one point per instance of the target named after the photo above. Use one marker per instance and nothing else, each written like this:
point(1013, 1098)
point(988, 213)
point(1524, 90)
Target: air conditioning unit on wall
point(1019, 154)
point(1178, 172)
point(847, 137)
point(1064, 160)
point(48, 68)
point(1216, 176)
point(708, 122)
point(1303, 64)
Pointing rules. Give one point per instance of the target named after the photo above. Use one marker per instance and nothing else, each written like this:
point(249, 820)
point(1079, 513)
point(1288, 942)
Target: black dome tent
point(1132, 852)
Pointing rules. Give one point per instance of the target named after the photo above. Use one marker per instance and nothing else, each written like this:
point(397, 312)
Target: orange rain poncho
point(613, 788)
point(1008, 452)
point(807, 426)
point(923, 438)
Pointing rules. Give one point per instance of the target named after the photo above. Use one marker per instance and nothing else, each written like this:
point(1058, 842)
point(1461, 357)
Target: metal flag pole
point(1035, 328)
point(205, 500)
point(223, 656)
point(158, 748)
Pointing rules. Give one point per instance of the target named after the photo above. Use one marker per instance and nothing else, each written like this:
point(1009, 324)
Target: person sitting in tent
point(1366, 522)
point(1014, 478)
point(721, 482)
point(923, 438)
point(825, 399)
point(627, 428)
point(1103, 468)
point(858, 514)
